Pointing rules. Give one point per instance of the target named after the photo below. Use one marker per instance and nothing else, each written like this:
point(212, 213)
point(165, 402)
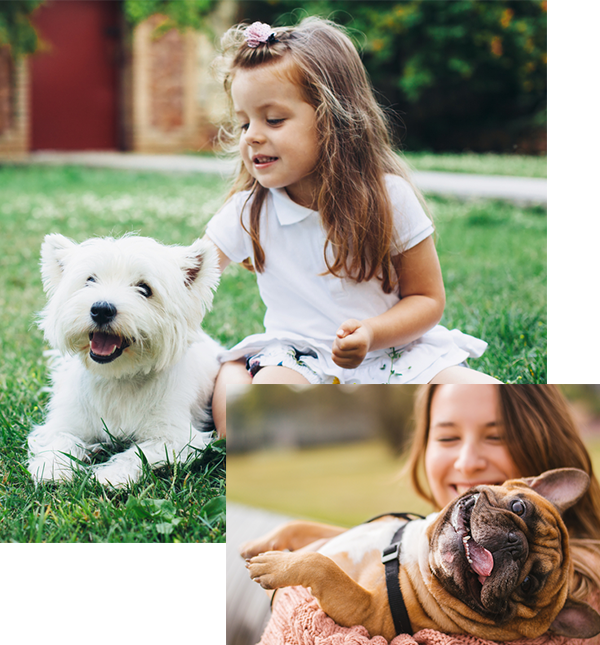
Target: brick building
point(97, 85)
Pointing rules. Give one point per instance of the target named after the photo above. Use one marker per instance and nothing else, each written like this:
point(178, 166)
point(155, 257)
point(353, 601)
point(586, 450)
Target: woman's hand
point(353, 340)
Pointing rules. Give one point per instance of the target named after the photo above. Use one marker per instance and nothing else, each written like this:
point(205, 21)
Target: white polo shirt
point(301, 297)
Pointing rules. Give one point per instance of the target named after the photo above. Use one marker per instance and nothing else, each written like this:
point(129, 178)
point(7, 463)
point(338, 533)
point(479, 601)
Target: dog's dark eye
point(90, 279)
point(145, 289)
point(517, 507)
point(529, 585)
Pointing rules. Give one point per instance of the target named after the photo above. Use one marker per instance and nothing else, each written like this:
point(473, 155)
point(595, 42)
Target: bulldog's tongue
point(104, 344)
point(482, 561)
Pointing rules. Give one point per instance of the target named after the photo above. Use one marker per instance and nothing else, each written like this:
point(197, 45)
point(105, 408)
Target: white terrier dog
point(125, 316)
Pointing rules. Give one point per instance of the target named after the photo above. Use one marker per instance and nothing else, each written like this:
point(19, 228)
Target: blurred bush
point(464, 75)
point(180, 14)
point(281, 416)
point(16, 29)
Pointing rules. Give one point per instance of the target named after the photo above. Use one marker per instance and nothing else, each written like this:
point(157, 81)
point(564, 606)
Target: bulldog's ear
point(576, 620)
point(562, 486)
point(55, 249)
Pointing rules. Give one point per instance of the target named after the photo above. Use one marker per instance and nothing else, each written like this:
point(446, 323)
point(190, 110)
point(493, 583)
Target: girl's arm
point(421, 308)
point(224, 261)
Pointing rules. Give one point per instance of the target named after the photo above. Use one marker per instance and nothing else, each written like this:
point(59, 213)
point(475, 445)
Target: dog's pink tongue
point(482, 561)
point(104, 344)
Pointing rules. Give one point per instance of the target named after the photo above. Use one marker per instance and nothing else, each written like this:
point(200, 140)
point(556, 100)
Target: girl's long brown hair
point(541, 434)
point(355, 145)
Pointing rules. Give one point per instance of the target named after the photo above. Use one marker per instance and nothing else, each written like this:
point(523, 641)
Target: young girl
point(324, 211)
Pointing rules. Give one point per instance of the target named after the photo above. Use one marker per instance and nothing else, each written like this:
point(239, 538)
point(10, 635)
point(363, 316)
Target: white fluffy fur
point(156, 392)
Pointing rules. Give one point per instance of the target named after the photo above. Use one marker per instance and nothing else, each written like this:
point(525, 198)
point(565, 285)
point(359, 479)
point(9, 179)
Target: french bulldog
point(494, 564)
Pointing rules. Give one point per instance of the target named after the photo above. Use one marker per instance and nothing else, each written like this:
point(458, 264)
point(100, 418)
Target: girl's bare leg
point(234, 372)
point(276, 375)
point(458, 374)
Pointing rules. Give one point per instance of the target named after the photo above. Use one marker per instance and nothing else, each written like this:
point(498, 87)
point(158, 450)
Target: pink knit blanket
point(297, 619)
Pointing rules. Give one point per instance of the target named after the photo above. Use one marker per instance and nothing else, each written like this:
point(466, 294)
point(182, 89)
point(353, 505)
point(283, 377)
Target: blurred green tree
point(180, 14)
point(17, 30)
point(468, 74)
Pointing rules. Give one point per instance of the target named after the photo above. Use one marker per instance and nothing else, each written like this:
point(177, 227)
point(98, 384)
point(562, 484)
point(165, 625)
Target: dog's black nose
point(517, 545)
point(103, 312)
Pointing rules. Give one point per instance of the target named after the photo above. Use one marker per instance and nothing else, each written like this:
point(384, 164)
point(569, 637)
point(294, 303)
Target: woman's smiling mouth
point(461, 488)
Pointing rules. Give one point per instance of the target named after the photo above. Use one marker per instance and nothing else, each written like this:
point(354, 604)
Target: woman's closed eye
point(449, 438)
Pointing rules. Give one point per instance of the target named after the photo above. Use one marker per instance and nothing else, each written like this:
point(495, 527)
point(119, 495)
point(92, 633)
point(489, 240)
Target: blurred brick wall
point(170, 100)
point(14, 119)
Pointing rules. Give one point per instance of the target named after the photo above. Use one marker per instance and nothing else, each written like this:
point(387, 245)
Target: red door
point(74, 78)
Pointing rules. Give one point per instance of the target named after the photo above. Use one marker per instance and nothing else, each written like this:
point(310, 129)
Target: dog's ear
point(576, 620)
point(562, 486)
point(200, 267)
point(201, 261)
point(55, 249)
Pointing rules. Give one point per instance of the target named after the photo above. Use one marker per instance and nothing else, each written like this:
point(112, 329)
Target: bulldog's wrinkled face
point(498, 548)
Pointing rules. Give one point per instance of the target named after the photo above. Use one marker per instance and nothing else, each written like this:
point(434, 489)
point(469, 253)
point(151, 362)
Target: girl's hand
point(353, 340)
point(419, 310)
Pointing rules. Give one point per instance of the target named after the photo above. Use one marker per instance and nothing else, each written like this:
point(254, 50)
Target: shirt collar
point(287, 211)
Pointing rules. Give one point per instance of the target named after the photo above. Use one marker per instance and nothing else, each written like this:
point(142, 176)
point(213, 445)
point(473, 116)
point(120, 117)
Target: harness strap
point(402, 516)
point(391, 560)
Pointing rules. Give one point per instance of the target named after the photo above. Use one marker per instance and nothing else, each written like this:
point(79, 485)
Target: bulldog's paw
point(272, 569)
point(254, 547)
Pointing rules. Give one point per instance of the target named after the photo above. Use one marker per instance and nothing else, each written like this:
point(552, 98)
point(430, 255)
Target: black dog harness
point(390, 558)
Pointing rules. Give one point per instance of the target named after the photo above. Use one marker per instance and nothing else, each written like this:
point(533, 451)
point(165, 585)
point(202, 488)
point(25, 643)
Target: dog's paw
point(254, 547)
point(49, 470)
point(271, 569)
point(113, 474)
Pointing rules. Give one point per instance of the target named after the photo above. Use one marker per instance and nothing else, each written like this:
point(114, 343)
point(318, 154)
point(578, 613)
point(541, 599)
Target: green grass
point(479, 164)
point(361, 480)
point(178, 503)
point(492, 255)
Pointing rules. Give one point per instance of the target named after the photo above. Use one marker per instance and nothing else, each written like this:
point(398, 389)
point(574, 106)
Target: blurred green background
point(335, 454)
point(458, 75)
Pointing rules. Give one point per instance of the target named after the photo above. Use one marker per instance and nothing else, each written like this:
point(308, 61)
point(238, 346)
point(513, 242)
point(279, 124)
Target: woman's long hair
point(355, 145)
point(541, 435)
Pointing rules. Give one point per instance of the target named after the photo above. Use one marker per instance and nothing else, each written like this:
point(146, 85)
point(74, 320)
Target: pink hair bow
point(257, 33)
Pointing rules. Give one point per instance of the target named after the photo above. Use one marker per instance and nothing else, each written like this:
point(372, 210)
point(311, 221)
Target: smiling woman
point(466, 445)
point(465, 435)
point(471, 434)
